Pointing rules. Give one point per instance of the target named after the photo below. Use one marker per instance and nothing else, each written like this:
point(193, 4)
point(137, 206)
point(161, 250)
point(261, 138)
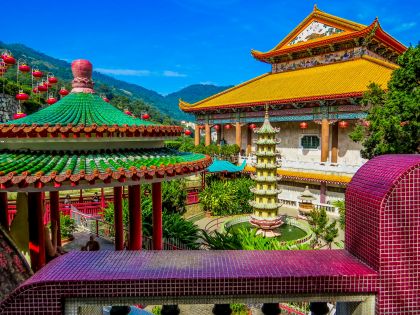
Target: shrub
point(67, 226)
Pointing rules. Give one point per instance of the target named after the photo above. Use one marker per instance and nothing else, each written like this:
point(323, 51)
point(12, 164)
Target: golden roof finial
point(315, 7)
point(266, 111)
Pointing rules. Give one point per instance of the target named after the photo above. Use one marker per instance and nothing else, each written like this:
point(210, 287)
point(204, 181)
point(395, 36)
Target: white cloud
point(174, 74)
point(404, 27)
point(127, 72)
point(208, 83)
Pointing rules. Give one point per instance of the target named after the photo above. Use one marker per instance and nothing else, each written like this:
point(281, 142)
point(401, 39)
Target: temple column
point(157, 216)
point(334, 144)
point(248, 140)
point(323, 192)
point(4, 211)
point(238, 135)
point(196, 135)
point(55, 216)
point(36, 230)
point(208, 135)
point(118, 219)
point(102, 198)
point(134, 213)
point(325, 137)
point(219, 135)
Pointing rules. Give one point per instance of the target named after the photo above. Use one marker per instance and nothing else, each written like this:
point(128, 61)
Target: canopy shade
point(225, 166)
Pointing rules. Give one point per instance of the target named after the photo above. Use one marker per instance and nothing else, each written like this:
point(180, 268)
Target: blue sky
point(166, 45)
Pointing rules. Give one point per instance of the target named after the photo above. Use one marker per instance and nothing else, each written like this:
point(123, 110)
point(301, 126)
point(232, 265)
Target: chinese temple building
point(84, 142)
point(318, 74)
point(265, 204)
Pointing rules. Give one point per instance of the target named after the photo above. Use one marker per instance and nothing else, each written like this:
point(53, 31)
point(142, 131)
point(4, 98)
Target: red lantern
point(35, 90)
point(216, 127)
point(145, 116)
point(303, 125)
point(19, 115)
point(228, 126)
point(52, 80)
point(343, 124)
point(127, 112)
point(366, 123)
point(252, 126)
point(24, 68)
point(51, 100)
point(187, 132)
point(37, 74)
point(106, 99)
point(201, 127)
point(42, 88)
point(48, 85)
point(63, 92)
point(9, 60)
point(22, 96)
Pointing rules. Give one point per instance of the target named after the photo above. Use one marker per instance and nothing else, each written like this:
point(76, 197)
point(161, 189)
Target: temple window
point(309, 142)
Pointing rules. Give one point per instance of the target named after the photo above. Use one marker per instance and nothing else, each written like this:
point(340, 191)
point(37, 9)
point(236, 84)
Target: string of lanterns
point(39, 83)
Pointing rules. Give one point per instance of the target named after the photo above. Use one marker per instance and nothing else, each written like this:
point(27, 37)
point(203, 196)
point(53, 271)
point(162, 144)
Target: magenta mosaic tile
point(190, 273)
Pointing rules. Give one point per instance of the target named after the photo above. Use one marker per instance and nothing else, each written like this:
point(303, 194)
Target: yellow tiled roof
point(308, 176)
point(336, 80)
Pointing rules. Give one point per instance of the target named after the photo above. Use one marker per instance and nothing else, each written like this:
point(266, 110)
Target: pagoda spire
point(265, 204)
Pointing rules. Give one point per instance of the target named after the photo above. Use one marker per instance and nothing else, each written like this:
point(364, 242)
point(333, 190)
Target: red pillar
point(118, 219)
point(36, 230)
point(55, 214)
point(323, 192)
point(134, 209)
point(4, 211)
point(102, 198)
point(157, 216)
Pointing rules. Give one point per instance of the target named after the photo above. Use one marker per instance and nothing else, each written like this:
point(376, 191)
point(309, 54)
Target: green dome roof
point(81, 109)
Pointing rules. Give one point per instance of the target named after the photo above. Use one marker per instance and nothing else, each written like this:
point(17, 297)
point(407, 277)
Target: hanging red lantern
point(201, 127)
point(228, 126)
point(24, 68)
point(48, 85)
point(35, 90)
point(19, 115)
point(106, 99)
point(22, 96)
point(303, 125)
point(51, 100)
point(252, 126)
point(343, 124)
point(63, 92)
point(52, 80)
point(37, 74)
point(145, 116)
point(9, 60)
point(216, 127)
point(187, 132)
point(42, 88)
point(127, 112)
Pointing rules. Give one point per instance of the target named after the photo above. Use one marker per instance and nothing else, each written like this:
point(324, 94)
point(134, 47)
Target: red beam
point(157, 216)
point(36, 230)
point(134, 209)
point(118, 219)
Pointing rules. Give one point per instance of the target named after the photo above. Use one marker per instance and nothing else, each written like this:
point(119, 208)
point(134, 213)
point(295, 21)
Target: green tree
point(393, 116)
point(318, 220)
point(341, 205)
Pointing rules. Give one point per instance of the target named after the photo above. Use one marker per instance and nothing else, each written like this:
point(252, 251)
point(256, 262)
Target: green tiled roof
point(19, 162)
point(78, 109)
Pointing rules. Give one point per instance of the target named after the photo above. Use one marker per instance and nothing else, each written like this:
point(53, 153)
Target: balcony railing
point(345, 169)
point(330, 209)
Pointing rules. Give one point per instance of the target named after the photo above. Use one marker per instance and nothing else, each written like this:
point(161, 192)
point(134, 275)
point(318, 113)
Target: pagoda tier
point(84, 141)
point(265, 204)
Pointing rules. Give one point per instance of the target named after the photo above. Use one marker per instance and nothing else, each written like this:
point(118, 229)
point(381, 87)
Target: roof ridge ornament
point(82, 73)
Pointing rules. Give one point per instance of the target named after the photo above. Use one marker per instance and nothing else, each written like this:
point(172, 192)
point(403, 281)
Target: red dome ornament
point(52, 80)
point(8, 59)
point(22, 96)
point(343, 124)
point(303, 125)
point(24, 68)
point(51, 100)
point(19, 115)
point(63, 92)
point(252, 126)
point(228, 126)
point(216, 127)
point(187, 132)
point(145, 116)
point(37, 74)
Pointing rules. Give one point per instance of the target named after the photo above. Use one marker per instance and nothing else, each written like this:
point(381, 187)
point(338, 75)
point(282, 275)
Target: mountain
point(113, 87)
point(192, 94)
